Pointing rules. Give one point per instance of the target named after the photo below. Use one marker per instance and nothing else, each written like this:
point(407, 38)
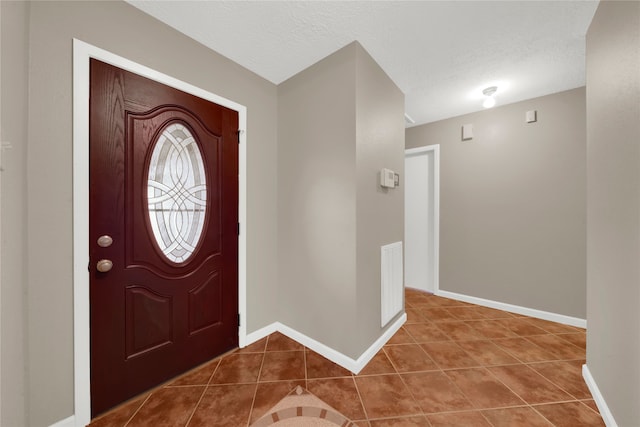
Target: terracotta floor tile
point(320, 367)
point(570, 414)
point(428, 303)
point(458, 419)
point(268, 394)
point(524, 350)
point(492, 313)
point(435, 392)
point(437, 314)
point(379, 396)
point(238, 368)
point(553, 327)
point(448, 355)
point(339, 393)
point(198, 376)
point(168, 407)
point(279, 342)
point(386, 396)
point(413, 296)
point(224, 406)
point(483, 389)
point(516, 417)
point(528, 384)
point(426, 332)
point(558, 347)
point(460, 331)
point(402, 422)
point(401, 337)
point(380, 364)
point(487, 353)
point(283, 365)
point(567, 375)
point(467, 313)
point(445, 302)
point(521, 327)
point(414, 315)
point(425, 299)
point(579, 339)
point(121, 414)
point(491, 329)
point(409, 358)
point(591, 404)
point(257, 347)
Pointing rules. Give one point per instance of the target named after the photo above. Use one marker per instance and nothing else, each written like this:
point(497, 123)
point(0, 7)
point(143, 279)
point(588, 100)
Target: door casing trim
point(435, 148)
point(82, 53)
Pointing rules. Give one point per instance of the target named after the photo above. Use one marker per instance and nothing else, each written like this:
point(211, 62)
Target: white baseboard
point(353, 365)
point(532, 312)
point(67, 422)
point(607, 416)
point(260, 333)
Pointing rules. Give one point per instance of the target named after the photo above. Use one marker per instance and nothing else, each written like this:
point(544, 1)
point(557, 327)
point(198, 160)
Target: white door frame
point(82, 52)
point(435, 208)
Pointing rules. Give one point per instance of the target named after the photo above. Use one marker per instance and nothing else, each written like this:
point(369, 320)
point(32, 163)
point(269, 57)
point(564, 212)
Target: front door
point(162, 233)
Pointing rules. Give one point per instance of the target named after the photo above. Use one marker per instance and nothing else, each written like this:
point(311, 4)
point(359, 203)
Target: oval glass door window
point(177, 193)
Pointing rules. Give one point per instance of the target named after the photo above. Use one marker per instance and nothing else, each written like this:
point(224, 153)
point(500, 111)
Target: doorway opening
point(422, 218)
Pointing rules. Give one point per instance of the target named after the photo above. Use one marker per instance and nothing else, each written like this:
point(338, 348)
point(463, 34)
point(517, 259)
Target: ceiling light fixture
point(489, 100)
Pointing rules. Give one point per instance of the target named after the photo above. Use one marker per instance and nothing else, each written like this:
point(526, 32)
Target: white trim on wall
point(532, 312)
point(607, 416)
point(349, 363)
point(67, 422)
point(435, 148)
point(82, 52)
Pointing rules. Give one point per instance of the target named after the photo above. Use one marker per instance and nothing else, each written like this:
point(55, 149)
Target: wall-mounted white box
point(531, 116)
point(467, 132)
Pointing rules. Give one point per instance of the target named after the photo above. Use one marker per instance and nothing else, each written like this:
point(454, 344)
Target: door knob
point(104, 265)
point(105, 241)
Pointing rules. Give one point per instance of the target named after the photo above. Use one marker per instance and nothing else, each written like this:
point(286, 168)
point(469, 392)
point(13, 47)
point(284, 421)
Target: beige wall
point(15, 29)
point(613, 245)
point(512, 203)
point(379, 212)
point(339, 122)
point(48, 180)
point(316, 199)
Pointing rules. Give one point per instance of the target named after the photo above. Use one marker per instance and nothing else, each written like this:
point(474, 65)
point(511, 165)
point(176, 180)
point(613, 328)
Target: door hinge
point(238, 229)
point(238, 319)
point(238, 133)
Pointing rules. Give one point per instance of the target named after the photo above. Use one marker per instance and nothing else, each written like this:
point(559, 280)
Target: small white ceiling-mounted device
point(489, 100)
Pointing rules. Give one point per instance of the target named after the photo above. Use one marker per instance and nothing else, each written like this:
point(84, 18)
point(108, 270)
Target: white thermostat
point(387, 178)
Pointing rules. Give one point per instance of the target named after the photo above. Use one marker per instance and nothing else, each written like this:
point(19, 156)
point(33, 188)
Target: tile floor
point(451, 364)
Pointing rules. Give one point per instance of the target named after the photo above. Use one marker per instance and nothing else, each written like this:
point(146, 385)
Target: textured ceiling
point(441, 54)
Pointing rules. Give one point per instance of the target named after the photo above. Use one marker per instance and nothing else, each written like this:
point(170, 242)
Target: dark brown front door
point(163, 233)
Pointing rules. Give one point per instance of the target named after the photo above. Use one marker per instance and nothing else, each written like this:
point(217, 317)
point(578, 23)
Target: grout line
point(255, 393)
point(364, 409)
point(197, 404)
point(589, 407)
point(554, 383)
point(304, 358)
point(206, 387)
point(137, 410)
point(540, 413)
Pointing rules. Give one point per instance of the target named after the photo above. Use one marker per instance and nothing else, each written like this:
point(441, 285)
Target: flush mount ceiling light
point(489, 100)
